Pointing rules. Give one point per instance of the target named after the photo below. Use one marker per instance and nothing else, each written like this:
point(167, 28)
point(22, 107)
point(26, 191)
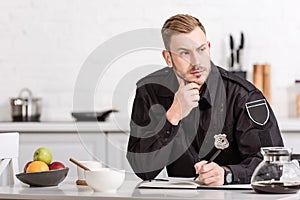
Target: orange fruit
point(37, 166)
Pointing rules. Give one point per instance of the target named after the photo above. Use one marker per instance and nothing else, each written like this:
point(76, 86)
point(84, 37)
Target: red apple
point(27, 164)
point(56, 165)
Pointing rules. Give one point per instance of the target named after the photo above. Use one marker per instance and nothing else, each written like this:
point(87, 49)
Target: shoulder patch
point(258, 111)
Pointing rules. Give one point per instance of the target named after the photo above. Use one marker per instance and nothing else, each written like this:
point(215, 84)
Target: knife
point(239, 52)
point(231, 54)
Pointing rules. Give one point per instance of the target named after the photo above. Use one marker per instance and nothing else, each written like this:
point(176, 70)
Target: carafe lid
point(276, 151)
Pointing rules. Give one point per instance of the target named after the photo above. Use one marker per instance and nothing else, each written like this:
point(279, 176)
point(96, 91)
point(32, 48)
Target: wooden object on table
point(298, 105)
point(79, 164)
point(81, 182)
point(258, 76)
point(267, 82)
point(262, 79)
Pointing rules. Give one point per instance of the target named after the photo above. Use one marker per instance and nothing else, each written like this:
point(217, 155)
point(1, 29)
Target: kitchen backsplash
point(43, 45)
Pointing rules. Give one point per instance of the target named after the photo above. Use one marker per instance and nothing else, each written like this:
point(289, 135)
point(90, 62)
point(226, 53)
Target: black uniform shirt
point(155, 143)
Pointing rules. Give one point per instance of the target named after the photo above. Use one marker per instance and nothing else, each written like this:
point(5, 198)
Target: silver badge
point(258, 111)
point(221, 141)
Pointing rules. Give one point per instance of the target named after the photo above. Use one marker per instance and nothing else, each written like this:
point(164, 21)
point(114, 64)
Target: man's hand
point(210, 174)
point(185, 99)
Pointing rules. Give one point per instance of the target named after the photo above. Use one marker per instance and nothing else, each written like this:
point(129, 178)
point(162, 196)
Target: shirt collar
point(206, 97)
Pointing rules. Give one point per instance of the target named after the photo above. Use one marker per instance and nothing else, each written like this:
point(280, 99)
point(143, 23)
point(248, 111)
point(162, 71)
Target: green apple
point(43, 154)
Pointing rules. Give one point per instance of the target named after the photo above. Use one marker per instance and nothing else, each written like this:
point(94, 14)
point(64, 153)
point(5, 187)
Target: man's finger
point(211, 181)
point(196, 98)
point(195, 92)
point(194, 104)
point(199, 165)
point(194, 86)
point(208, 167)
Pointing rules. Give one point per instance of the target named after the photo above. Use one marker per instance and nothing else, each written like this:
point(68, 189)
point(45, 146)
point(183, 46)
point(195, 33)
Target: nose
point(195, 59)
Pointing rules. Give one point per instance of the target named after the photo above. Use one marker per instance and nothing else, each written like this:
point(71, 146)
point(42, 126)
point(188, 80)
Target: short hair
point(180, 23)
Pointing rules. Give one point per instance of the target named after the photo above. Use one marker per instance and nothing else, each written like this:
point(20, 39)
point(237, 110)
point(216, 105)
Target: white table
point(69, 190)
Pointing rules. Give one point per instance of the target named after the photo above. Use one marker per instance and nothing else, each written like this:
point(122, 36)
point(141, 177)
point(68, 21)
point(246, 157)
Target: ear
point(208, 44)
point(167, 57)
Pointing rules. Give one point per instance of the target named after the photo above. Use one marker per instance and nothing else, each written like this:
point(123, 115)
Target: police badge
point(258, 111)
point(221, 141)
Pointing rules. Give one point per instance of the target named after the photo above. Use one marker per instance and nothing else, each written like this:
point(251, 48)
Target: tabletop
point(69, 190)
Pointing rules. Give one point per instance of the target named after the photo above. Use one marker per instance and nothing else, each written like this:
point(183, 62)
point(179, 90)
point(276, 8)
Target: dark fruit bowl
point(43, 179)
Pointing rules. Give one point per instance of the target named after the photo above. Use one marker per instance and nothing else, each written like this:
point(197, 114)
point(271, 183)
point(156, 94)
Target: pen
point(157, 179)
point(210, 160)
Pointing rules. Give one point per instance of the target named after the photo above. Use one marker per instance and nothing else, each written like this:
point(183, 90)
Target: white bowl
point(105, 179)
point(92, 165)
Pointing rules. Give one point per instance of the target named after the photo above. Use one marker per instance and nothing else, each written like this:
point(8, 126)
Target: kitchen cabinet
point(291, 140)
point(82, 141)
point(290, 130)
point(116, 153)
point(63, 146)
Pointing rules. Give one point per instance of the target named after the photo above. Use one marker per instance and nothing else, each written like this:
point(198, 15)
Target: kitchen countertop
point(67, 126)
point(286, 125)
point(69, 190)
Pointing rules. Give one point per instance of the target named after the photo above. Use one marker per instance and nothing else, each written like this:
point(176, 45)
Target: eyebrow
point(185, 49)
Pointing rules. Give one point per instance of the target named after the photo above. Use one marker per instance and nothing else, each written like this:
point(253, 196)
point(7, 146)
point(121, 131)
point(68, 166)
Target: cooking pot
point(25, 108)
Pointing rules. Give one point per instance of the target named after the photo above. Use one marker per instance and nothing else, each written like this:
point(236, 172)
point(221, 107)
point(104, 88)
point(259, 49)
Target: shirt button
point(168, 132)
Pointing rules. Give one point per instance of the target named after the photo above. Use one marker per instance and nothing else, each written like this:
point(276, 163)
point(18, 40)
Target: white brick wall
point(43, 44)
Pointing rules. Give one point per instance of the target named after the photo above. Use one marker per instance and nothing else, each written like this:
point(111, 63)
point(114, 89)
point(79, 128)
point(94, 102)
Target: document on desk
point(187, 183)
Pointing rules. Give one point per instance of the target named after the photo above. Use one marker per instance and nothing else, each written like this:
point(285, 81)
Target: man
point(192, 112)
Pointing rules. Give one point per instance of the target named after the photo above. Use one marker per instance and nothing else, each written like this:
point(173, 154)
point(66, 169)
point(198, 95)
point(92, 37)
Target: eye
point(184, 53)
point(202, 49)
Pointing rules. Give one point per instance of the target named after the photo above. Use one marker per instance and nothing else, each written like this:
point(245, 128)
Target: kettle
point(278, 173)
point(25, 107)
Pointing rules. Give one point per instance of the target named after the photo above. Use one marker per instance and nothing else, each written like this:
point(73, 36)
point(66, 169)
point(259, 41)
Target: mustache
point(198, 67)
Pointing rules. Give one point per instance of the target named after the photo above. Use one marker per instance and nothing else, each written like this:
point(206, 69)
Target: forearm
point(174, 114)
point(242, 172)
point(149, 153)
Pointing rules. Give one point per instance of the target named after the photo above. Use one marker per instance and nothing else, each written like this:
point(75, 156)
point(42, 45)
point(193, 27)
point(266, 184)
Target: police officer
point(192, 112)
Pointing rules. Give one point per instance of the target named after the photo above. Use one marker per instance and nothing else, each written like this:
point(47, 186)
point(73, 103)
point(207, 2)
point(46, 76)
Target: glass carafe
point(277, 173)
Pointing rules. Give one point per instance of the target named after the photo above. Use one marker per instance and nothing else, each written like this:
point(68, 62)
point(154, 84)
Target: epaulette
point(238, 80)
point(154, 77)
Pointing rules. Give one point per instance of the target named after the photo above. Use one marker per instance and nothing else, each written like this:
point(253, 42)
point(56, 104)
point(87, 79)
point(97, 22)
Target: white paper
point(188, 183)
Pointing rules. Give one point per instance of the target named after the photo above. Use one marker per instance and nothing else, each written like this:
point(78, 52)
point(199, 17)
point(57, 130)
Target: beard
point(195, 74)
